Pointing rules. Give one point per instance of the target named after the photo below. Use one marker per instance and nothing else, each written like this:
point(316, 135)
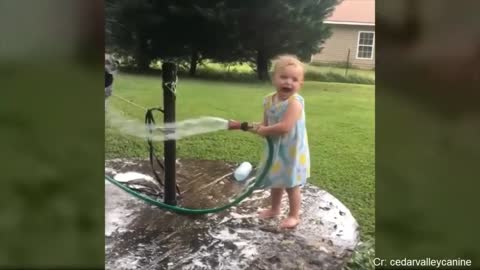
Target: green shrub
point(242, 74)
point(363, 256)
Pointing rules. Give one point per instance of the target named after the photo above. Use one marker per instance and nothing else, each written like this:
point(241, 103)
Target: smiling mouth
point(286, 89)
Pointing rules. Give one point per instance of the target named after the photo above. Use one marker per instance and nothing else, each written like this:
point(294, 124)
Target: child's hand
point(261, 130)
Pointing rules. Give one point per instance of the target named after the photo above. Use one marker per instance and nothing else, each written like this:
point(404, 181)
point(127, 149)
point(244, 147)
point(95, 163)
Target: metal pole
point(348, 62)
point(169, 76)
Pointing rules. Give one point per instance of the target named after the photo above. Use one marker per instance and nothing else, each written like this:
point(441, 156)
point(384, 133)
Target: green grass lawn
point(340, 122)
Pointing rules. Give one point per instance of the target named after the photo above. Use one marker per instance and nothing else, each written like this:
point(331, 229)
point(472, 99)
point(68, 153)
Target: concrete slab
point(141, 236)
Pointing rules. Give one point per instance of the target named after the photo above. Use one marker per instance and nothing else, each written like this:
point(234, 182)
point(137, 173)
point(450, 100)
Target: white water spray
point(168, 131)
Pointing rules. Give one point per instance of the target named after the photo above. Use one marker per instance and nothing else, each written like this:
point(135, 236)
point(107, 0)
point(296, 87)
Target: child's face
point(288, 81)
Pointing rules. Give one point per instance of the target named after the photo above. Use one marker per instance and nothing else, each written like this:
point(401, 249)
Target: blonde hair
point(285, 60)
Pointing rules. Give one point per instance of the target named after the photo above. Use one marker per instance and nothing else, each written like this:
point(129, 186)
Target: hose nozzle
point(245, 126)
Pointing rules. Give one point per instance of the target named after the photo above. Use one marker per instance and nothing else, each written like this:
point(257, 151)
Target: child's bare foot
point(289, 223)
point(268, 213)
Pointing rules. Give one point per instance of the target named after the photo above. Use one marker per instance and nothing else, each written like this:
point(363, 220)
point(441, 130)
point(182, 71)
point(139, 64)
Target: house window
point(365, 45)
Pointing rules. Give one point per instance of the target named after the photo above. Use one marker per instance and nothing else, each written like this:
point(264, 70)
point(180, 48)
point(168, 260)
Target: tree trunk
point(143, 62)
point(193, 62)
point(141, 58)
point(262, 65)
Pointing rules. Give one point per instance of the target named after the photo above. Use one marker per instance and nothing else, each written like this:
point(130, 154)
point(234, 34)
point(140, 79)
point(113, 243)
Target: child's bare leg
point(295, 202)
point(276, 201)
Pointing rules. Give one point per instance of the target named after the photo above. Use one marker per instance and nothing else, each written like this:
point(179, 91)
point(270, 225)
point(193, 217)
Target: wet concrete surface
point(141, 236)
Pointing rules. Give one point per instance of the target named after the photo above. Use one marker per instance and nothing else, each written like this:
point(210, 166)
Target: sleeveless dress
point(291, 156)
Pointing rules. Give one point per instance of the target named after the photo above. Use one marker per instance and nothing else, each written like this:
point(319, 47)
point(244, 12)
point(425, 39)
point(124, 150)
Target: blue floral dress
point(291, 156)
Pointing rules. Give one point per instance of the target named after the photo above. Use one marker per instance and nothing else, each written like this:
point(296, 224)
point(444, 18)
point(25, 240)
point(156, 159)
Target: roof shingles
point(353, 12)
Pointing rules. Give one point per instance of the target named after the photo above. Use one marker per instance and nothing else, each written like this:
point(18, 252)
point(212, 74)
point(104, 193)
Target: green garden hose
point(180, 210)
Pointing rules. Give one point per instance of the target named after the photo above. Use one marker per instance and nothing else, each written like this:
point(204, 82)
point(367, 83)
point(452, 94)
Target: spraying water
point(167, 131)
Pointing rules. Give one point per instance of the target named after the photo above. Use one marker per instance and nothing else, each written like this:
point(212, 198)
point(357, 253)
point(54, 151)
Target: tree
point(181, 30)
point(223, 30)
point(129, 25)
point(272, 27)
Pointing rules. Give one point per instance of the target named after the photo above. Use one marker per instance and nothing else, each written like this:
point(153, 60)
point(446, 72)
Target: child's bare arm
point(292, 114)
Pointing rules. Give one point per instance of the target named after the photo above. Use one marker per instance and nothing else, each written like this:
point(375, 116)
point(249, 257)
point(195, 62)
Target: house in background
point(353, 35)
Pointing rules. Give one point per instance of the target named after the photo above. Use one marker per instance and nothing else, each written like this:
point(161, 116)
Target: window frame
point(358, 46)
